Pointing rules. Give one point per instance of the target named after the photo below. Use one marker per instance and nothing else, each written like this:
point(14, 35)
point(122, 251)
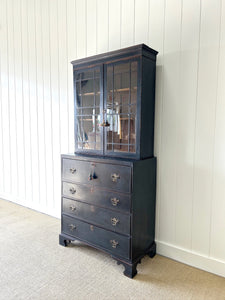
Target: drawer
point(111, 176)
point(106, 218)
point(96, 196)
point(113, 242)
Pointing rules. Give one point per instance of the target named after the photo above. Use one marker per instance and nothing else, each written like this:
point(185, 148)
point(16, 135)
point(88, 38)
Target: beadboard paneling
point(39, 39)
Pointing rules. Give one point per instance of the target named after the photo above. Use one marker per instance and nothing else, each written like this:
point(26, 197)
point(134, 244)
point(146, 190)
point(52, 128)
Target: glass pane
point(84, 75)
point(109, 86)
point(133, 109)
point(88, 111)
point(132, 139)
point(97, 73)
point(79, 123)
point(122, 84)
point(118, 147)
point(88, 117)
point(87, 87)
point(124, 125)
point(97, 86)
point(97, 91)
point(80, 145)
point(88, 101)
point(132, 149)
point(88, 132)
point(134, 82)
point(122, 77)
point(121, 97)
point(78, 95)
point(122, 107)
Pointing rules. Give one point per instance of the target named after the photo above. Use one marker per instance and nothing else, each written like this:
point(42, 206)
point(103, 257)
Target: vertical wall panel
point(186, 113)
point(217, 241)
point(8, 105)
point(72, 54)
point(91, 27)
point(171, 75)
point(16, 117)
point(63, 92)
point(47, 82)
point(141, 21)
point(81, 31)
point(40, 104)
point(114, 24)
point(1, 127)
point(3, 87)
point(102, 26)
point(39, 39)
point(55, 95)
point(205, 124)
point(26, 103)
point(127, 23)
point(156, 41)
point(32, 82)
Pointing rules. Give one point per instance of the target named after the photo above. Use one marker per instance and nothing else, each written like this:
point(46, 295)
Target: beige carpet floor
point(34, 266)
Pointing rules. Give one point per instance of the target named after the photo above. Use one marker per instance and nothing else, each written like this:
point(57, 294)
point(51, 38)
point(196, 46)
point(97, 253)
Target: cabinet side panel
point(143, 205)
point(147, 107)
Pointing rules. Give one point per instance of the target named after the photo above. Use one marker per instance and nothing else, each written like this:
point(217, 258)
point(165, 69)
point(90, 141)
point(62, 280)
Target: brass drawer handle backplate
point(114, 243)
point(72, 207)
point(115, 201)
point(114, 221)
point(72, 227)
point(115, 177)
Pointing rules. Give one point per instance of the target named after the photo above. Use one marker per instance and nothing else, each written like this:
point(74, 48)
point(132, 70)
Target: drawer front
point(106, 218)
point(111, 176)
point(93, 195)
point(110, 241)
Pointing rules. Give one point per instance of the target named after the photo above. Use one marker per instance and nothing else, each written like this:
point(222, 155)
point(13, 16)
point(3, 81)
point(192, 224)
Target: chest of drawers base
point(109, 204)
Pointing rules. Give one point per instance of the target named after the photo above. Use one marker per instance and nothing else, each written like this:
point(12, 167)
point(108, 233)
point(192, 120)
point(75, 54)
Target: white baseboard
point(191, 258)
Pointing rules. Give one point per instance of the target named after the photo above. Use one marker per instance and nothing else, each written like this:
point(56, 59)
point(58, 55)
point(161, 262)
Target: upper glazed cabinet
point(114, 103)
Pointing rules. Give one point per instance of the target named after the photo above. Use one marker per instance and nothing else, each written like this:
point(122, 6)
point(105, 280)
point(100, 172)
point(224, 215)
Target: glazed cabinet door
point(121, 87)
point(88, 87)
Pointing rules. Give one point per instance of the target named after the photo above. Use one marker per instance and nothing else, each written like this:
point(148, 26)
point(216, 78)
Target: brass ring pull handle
point(114, 221)
point(72, 170)
point(115, 201)
point(72, 190)
point(114, 243)
point(115, 177)
point(72, 227)
point(72, 207)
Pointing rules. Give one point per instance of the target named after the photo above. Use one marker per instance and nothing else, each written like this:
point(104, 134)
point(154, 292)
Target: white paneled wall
point(39, 38)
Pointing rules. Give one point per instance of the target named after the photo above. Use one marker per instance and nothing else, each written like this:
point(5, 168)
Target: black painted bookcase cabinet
point(109, 184)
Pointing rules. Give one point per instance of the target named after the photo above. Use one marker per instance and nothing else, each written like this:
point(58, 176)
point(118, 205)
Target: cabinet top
point(137, 50)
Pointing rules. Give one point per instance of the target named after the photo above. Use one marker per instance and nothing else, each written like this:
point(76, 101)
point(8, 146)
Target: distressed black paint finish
point(109, 184)
point(97, 196)
point(107, 218)
point(109, 241)
point(95, 173)
point(109, 229)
